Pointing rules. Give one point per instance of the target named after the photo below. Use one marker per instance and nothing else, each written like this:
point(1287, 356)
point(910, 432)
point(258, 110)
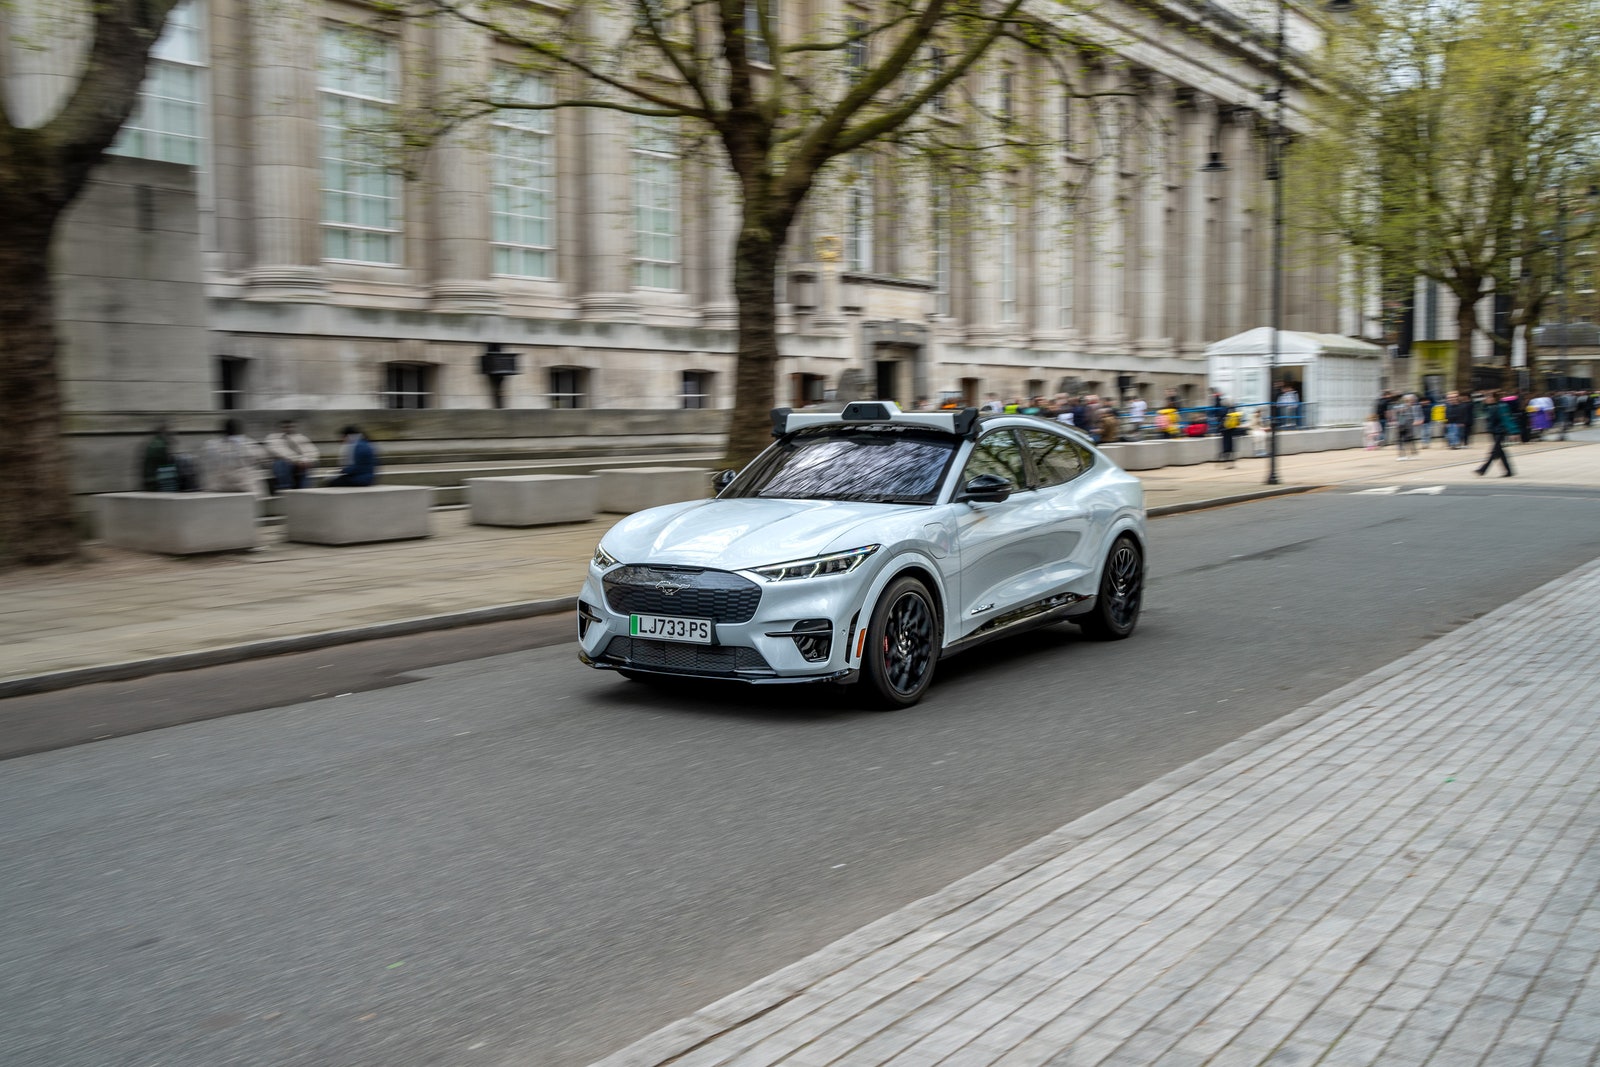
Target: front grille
point(720, 596)
point(675, 656)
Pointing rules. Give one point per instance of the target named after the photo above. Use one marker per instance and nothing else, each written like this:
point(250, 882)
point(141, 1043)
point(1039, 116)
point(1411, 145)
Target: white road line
point(1384, 490)
point(1426, 490)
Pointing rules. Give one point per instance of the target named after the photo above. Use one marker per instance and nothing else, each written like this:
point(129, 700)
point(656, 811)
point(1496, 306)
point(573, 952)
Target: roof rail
point(962, 422)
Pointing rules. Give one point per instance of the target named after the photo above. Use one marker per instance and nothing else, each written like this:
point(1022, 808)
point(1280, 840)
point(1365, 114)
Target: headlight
point(602, 558)
point(817, 566)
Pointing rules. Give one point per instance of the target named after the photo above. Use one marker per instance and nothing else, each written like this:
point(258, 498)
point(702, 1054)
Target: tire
point(1116, 609)
point(902, 645)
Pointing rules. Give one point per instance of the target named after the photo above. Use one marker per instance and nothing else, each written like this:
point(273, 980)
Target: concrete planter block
point(1113, 452)
point(1145, 455)
point(350, 515)
point(1193, 450)
point(178, 524)
point(625, 490)
point(533, 499)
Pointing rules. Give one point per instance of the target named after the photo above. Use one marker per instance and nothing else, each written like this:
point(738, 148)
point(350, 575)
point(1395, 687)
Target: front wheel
point(1116, 609)
point(902, 644)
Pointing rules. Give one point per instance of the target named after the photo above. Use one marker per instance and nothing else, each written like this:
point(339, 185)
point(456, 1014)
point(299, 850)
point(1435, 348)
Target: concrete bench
point(625, 490)
point(533, 499)
point(354, 515)
point(178, 524)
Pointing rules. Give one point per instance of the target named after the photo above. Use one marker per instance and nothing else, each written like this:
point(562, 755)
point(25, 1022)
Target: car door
point(999, 549)
point(1059, 513)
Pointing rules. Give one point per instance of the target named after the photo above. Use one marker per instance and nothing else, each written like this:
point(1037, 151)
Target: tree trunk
point(35, 504)
point(1466, 326)
point(755, 276)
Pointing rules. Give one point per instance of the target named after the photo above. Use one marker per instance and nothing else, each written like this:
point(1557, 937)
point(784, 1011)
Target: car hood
point(749, 532)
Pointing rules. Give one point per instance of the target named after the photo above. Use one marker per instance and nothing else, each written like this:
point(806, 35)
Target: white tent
point(1339, 377)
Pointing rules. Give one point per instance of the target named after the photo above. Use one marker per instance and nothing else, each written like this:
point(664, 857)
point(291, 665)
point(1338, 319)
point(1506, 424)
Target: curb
point(277, 646)
point(526, 609)
point(1224, 501)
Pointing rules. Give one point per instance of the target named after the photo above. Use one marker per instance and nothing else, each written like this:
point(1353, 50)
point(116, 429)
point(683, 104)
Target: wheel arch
point(922, 572)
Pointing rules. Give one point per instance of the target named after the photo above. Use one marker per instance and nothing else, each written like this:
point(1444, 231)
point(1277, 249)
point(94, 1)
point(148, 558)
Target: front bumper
point(769, 647)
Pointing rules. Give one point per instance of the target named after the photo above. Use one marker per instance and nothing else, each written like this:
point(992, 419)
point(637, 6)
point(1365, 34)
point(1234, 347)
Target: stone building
point(593, 251)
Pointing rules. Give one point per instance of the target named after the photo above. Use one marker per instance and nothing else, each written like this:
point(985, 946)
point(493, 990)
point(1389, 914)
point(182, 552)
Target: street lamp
point(1275, 176)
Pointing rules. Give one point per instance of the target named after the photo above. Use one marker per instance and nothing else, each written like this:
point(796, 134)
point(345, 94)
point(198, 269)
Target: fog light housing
point(814, 639)
point(586, 619)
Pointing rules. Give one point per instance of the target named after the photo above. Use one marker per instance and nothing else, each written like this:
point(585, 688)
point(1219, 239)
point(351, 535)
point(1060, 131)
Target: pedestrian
point(1380, 413)
point(1501, 423)
point(1137, 408)
point(1227, 429)
point(1407, 418)
point(358, 460)
point(292, 455)
point(1541, 415)
point(1109, 428)
point(1258, 432)
point(1566, 406)
point(232, 463)
point(1288, 406)
point(1457, 414)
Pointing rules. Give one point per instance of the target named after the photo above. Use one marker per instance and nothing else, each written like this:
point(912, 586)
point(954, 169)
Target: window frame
point(704, 397)
point(1019, 484)
point(395, 395)
point(1035, 471)
point(658, 169)
point(338, 100)
point(522, 177)
point(181, 49)
point(575, 399)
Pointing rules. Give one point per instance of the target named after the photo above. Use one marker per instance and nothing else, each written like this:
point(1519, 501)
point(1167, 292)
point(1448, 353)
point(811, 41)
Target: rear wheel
point(902, 644)
point(1116, 609)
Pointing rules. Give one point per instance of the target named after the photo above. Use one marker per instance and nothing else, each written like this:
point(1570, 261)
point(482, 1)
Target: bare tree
point(782, 102)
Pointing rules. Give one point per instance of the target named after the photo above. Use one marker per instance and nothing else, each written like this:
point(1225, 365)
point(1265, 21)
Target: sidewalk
point(1403, 872)
point(118, 613)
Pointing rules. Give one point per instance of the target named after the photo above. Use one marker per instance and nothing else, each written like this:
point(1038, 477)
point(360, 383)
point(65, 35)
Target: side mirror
point(724, 479)
point(987, 489)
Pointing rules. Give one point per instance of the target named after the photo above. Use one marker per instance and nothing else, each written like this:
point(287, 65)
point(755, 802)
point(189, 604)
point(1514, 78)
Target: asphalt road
point(516, 860)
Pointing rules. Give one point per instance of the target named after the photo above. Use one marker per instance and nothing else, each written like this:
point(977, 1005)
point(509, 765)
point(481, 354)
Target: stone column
point(720, 204)
point(458, 253)
point(1153, 230)
point(1108, 327)
point(1233, 256)
point(605, 248)
point(1197, 192)
point(286, 260)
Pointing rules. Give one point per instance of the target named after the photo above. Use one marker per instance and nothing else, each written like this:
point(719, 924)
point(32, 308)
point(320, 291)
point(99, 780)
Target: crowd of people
point(1409, 421)
point(231, 462)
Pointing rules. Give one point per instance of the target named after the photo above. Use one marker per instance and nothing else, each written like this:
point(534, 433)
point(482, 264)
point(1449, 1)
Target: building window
point(855, 49)
point(1006, 100)
point(1583, 280)
point(858, 216)
point(1067, 106)
point(656, 217)
point(755, 42)
point(569, 387)
point(1008, 256)
point(522, 181)
point(167, 121)
point(936, 68)
point(697, 389)
point(807, 389)
point(230, 383)
point(358, 86)
point(407, 385)
point(941, 248)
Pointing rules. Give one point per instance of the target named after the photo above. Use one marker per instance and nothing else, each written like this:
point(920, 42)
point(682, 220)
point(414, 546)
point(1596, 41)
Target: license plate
point(666, 628)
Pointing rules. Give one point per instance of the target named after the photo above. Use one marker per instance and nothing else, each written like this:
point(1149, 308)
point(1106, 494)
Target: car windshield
point(884, 464)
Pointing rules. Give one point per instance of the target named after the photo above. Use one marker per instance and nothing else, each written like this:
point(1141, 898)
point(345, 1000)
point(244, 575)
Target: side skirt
point(1040, 613)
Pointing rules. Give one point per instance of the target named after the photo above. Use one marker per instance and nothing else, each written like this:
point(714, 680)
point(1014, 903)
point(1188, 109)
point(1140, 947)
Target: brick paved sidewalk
point(1403, 873)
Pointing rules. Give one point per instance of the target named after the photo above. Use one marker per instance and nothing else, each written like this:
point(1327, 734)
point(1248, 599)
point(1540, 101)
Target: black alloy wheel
point(902, 644)
point(1116, 609)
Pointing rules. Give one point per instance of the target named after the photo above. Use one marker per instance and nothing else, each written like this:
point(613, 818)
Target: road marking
point(1386, 490)
point(1426, 490)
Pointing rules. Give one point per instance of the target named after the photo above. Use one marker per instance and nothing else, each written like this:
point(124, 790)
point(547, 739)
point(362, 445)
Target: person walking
point(1227, 428)
point(1407, 417)
point(1500, 423)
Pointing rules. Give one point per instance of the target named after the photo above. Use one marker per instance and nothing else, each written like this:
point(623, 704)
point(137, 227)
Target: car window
point(878, 463)
point(996, 453)
point(1055, 458)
